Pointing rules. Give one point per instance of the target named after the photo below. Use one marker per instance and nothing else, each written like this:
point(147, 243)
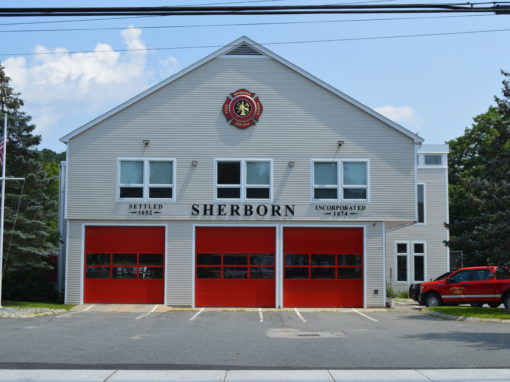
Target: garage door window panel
point(235, 266)
point(98, 272)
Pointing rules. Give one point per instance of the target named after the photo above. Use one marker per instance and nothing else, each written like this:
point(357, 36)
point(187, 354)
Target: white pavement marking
point(466, 374)
point(364, 315)
point(299, 315)
point(65, 315)
point(88, 308)
point(260, 315)
point(196, 314)
point(146, 314)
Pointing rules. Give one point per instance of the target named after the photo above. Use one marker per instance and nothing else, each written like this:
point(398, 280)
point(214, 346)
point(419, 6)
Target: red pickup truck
point(474, 285)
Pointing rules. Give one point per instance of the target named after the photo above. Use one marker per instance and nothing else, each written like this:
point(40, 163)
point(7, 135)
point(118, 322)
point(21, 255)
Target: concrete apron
point(145, 308)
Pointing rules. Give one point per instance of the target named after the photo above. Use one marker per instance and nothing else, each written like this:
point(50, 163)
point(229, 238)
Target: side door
point(454, 289)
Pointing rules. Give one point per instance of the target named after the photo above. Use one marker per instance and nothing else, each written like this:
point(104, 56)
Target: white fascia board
point(225, 49)
point(434, 149)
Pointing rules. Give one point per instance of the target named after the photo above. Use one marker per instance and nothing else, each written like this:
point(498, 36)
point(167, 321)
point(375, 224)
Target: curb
point(463, 318)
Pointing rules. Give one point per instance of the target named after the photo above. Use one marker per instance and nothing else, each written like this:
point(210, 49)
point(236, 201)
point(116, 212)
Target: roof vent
point(243, 50)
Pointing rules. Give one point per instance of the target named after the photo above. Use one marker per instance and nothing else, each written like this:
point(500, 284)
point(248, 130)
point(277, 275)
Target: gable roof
point(242, 44)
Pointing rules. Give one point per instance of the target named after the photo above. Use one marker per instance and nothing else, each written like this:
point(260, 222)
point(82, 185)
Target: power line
point(266, 43)
point(239, 24)
point(496, 7)
point(153, 16)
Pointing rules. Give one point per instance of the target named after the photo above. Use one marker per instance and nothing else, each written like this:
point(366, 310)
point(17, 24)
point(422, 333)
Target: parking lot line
point(65, 315)
point(146, 314)
point(260, 315)
point(299, 315)
point(88, 308)
point(364, 315)
point(196, 314)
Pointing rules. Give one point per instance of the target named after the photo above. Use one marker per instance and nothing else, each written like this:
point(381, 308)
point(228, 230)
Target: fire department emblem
point(242, 108)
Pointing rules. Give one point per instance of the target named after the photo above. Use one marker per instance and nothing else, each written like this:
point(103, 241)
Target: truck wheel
point(476, 304)
point(494, 304)
point(433, 299)
point(506, 301)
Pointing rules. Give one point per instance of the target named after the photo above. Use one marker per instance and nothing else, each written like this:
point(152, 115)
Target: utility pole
point(2, 215)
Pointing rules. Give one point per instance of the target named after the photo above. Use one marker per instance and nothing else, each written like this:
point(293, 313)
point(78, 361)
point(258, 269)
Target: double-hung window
point(410, 261)
point(146, 179)
point(341, 180)
point(243, 179)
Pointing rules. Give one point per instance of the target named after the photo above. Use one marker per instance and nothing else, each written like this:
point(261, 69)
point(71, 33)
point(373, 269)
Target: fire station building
point(244, 181)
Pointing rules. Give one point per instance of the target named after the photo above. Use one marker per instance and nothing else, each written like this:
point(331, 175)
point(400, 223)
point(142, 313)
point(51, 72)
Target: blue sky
point(431, 85)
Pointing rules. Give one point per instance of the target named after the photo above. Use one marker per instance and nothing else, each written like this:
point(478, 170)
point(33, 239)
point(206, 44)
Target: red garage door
point(323, 267)
point(235, 267)
point(124, 264)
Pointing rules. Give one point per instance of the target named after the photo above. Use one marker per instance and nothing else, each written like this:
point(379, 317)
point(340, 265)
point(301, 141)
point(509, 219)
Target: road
point(254, 339)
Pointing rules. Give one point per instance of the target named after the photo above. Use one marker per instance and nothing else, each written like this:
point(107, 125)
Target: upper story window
point(432, 160)
point(243, 179)
point(420, 194)
point(341, 180)
point(146, 179)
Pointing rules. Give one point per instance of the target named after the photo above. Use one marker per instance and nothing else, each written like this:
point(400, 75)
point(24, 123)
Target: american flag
point(2, 149)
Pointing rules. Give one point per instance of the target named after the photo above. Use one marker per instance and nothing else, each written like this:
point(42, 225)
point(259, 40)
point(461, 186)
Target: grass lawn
point(466, 311)
point(26, 304)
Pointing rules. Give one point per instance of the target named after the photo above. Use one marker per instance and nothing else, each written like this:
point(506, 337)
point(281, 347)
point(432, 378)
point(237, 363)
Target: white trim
point(340, 182)
point(365, 267)
point(243, 185)
point(135, 224)
point(424, 204)
point(82, 264)
point(166, 267)
point(396, 255)
point(385, 276)
point(220, 52)
point(243, 56)
point(227, 225)
point(193, 264)
point(145, 185)
point(279, 266)
point(66, 183)
point(66, 277)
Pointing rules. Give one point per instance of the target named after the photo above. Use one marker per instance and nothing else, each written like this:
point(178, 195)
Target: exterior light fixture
point(146, 142)
point(291, 163)
point(339, 143)
point(194, 163)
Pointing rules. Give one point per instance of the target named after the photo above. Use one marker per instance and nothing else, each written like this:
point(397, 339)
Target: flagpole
point(2, 206)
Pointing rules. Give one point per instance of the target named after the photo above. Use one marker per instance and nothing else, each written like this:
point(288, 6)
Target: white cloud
point(404, 115)
point(62, 87)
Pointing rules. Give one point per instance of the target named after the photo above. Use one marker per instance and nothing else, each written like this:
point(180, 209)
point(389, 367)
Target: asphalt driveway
point(155, 337)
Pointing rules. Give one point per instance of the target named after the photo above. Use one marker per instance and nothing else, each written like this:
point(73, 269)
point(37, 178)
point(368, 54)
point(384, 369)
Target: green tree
point(29, 208)
point(479, 173)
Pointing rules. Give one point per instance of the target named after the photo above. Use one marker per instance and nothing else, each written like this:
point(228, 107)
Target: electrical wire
point(266, 43)
point(237, 24)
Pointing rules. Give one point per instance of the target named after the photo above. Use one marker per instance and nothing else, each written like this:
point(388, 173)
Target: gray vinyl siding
point(73, 278)
point(374, 239)
point(433, 232)
point(180, 272)
point(184, 120)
